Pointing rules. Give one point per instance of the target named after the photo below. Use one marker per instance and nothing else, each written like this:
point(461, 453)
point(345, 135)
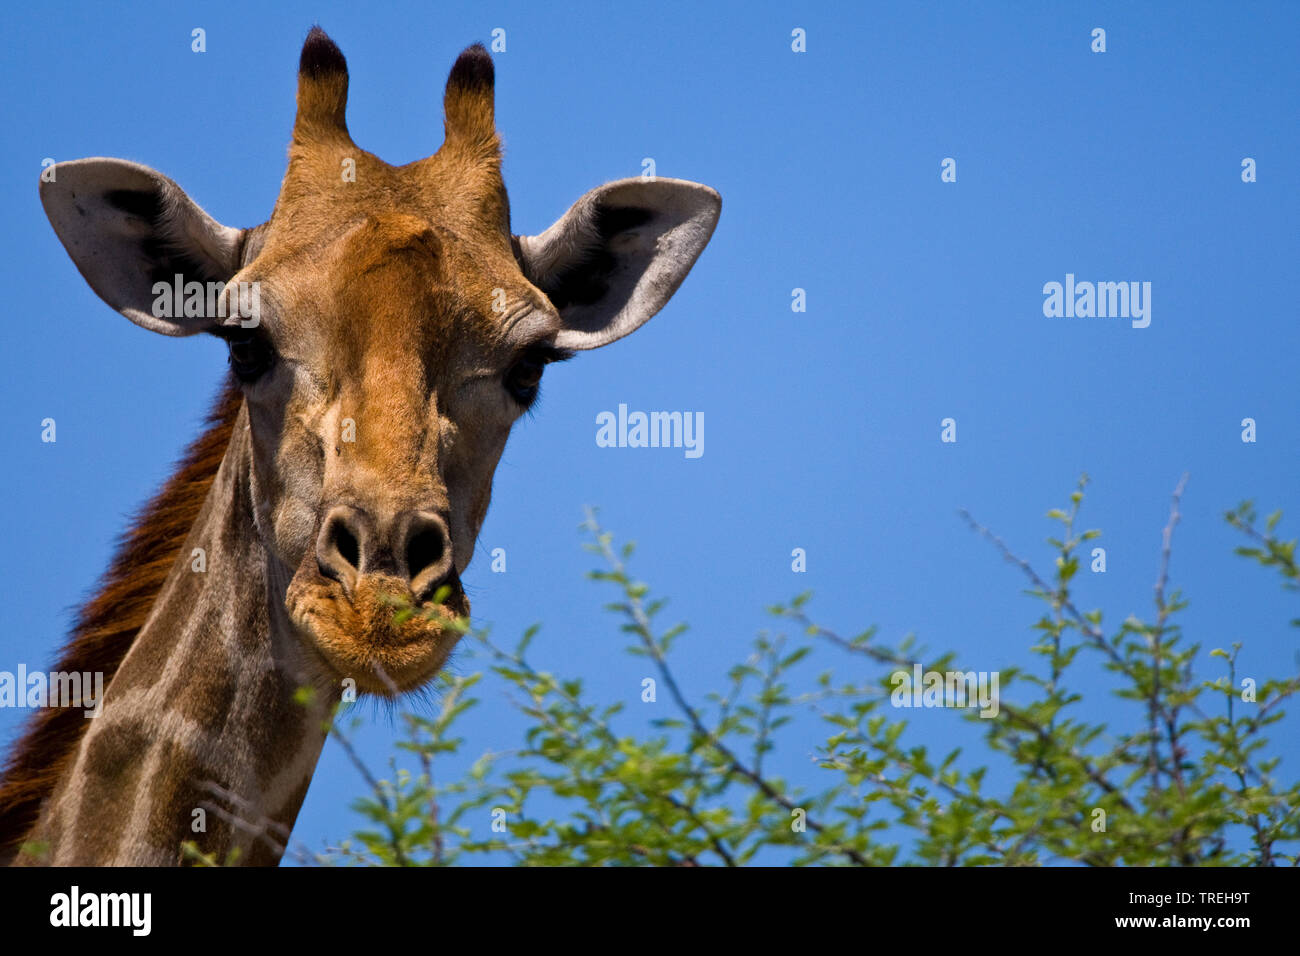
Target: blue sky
point(924, 301)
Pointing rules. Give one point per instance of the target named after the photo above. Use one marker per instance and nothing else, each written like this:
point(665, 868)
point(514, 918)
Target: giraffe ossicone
point(401, 330)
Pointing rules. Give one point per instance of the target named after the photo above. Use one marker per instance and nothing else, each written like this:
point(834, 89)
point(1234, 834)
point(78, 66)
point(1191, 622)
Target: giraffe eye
point(250, 355)
point(524, 379)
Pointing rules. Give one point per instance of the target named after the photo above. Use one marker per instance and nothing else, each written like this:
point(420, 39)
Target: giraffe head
point(387, 330)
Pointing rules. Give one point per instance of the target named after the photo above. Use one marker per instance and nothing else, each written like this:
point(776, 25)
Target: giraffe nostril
point(425, 548)
point(427, 553)
point(346, 543)
point(339, 546)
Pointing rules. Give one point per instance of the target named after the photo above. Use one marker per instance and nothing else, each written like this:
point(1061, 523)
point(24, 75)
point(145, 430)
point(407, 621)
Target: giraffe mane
point(109, 621)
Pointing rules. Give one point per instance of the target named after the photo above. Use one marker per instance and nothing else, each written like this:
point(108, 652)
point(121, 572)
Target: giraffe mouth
point(373, 635)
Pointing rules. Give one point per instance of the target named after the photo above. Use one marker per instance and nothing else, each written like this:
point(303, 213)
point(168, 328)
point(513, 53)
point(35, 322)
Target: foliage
point(1178, 775)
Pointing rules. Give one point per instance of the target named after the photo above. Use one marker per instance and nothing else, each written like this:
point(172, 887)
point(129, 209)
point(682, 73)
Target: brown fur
point(109, 621)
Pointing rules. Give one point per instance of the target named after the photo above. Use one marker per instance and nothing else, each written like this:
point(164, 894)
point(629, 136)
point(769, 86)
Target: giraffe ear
point(613, 260)
point(127, 228)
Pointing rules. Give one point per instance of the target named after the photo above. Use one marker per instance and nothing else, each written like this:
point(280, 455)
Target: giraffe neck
point(203, 735)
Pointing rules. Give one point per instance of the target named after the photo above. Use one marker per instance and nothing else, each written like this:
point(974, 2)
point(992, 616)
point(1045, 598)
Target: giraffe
point(400, 330)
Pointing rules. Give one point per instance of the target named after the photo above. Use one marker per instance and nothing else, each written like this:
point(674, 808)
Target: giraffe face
point(397, 331)
point(381, 388)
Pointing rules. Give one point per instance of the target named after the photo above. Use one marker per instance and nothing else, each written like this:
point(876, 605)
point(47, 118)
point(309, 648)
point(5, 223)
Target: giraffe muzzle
point(347, 597)
point(411, 546)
